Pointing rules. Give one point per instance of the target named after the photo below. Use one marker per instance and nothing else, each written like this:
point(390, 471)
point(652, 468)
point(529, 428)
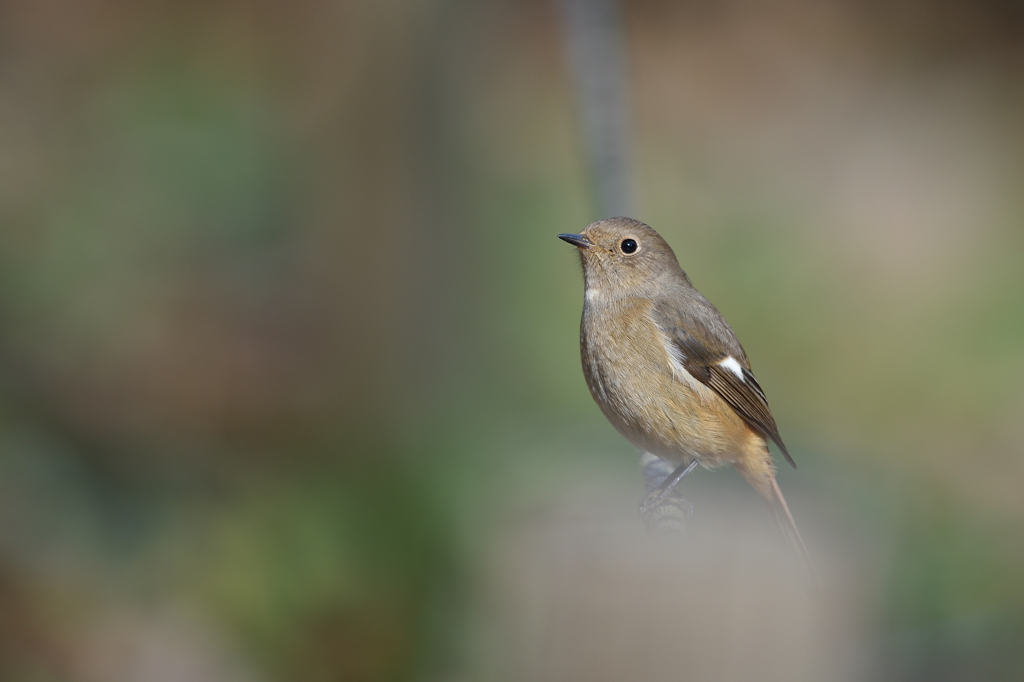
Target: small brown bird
point(666, 369)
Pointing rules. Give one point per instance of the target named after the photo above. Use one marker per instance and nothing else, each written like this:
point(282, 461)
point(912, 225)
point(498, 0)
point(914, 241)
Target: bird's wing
point(726, 371)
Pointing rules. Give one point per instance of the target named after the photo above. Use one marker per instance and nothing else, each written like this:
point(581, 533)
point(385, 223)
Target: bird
point(666, 369)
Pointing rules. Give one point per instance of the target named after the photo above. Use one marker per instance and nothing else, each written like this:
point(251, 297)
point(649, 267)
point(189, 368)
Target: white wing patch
point(733, 366)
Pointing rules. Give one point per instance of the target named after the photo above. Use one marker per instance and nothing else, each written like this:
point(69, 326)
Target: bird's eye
point(628, 246)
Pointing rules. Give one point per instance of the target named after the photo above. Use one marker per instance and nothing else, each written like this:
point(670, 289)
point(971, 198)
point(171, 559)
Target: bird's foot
point(664, 512)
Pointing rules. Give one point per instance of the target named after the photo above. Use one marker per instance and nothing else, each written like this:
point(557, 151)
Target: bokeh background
point(289, 377)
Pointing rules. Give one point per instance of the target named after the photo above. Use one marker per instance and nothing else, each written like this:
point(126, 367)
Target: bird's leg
point(659, 495)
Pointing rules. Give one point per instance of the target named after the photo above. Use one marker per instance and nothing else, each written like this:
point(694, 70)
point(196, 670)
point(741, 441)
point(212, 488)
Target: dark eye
point(628, 246)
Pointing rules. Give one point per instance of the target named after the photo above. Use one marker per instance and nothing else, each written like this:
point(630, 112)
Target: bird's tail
point(784, 519)
point(761, 475)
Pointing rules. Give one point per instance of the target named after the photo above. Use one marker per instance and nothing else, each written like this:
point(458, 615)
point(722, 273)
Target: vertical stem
point(594, 46)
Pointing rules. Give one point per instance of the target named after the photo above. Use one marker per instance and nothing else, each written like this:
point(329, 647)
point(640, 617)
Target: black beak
point(576, 240)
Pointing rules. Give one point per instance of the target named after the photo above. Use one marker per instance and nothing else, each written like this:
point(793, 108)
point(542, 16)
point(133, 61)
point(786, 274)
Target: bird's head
point(623, 257)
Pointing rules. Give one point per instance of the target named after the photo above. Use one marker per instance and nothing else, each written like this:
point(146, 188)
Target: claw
point(662, 512)
point(668, 516)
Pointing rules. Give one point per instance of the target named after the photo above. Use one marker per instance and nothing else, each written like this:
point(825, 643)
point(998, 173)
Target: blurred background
point(289, 373)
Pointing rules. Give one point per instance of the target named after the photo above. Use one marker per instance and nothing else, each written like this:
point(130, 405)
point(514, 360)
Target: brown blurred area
point(289, 384)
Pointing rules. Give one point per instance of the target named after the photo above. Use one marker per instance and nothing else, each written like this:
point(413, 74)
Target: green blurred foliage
point(286, 337)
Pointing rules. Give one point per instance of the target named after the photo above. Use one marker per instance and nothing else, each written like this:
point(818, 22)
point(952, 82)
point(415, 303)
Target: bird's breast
point(648, 395)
